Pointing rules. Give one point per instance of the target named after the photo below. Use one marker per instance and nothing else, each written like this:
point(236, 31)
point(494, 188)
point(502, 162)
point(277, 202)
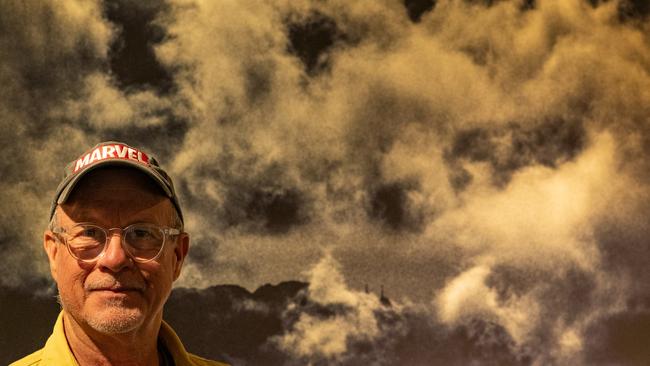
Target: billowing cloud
point(484, 161)
point(337, 318)
point(329, 323)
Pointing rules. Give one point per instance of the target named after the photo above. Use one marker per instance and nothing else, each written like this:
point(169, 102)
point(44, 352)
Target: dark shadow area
point(619, 339)
point(417, 8)
point(132, 57)
point(634, 9)
point(512, 147)
point(311, 40)
point(278, 211)
point(27, 320)
point(388, 204)
point(239, 322)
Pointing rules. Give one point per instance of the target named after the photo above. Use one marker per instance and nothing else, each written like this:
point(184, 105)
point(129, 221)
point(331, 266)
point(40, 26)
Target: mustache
point(113, 283)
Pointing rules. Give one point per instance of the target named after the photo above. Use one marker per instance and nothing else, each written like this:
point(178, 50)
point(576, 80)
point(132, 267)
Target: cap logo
point(115, 151)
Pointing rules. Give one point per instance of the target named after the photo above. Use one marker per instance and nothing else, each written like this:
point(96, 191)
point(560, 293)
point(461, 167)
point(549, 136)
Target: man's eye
point(87, 235)
point(142, 233)
point(89, 232)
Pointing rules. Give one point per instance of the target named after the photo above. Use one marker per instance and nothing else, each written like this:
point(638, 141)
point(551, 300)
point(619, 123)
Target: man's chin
point(108, 313)
point(115, 319)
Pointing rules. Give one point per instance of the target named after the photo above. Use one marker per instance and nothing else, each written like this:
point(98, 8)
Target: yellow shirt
point(57, 352)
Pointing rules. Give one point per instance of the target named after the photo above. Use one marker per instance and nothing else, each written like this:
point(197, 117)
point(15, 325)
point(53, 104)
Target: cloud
point(332, 324)
point(316, 335)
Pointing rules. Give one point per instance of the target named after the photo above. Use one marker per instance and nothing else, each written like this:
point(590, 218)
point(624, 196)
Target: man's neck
point(90, 347)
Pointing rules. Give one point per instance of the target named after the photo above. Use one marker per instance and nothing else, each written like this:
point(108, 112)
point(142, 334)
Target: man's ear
point(180, 252)
point(51, 249)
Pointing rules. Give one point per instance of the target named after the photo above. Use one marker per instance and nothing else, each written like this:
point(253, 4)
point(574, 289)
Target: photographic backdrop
point(415, 182)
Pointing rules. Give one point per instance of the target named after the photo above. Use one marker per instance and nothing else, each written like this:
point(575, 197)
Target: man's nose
point(115, 257)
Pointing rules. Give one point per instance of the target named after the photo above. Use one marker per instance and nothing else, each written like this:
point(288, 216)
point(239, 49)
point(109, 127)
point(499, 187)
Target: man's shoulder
point(200, 361)
point(30, 360)
point(35, 359)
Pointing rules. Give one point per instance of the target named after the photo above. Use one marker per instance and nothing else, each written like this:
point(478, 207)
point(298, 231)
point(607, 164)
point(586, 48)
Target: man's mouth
point(117, 292)
point(118, 289)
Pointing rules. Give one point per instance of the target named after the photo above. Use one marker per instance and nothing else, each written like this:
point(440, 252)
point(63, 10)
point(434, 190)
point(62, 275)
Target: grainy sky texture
point(479, 159)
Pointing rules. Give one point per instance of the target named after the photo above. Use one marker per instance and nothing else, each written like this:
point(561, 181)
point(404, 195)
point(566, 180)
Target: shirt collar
point(58, 352)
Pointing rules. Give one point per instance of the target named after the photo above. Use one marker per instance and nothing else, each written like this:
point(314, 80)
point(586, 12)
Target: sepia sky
point(479, 159)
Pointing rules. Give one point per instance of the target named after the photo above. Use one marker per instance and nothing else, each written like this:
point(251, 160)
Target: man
point(115, 244)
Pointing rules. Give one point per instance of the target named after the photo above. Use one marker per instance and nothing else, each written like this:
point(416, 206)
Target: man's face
point(115, 294)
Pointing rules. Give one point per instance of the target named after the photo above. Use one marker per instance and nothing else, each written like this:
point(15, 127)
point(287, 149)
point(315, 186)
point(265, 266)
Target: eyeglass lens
point(143, 242)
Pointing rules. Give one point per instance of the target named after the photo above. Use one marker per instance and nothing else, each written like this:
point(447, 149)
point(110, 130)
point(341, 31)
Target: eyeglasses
point(142, 242)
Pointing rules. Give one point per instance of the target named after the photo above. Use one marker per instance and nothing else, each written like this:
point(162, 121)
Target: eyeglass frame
point(167, 231)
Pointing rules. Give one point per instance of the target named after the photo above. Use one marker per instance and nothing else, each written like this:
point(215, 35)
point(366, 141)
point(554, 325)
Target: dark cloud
point(132, 57)
point(311, 39)
point(45, 60)
point(417, 8)
point(513, 147)
point(528, 4)
point(619, 339)
point(256, 203)
point(569, 294)
point(389, 204)
point(34, 43)
point(475, 342)
point(633, 9)
point(203, 251)
point(169, 133)
point(259, 82)
point(278, 211)
point(625, 247)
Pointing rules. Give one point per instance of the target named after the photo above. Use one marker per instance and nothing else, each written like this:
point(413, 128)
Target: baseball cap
point(113, 153)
